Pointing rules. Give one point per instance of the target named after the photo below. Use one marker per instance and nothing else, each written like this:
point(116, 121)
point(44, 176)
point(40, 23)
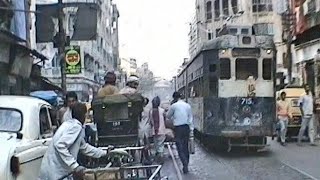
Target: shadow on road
point(240, 152)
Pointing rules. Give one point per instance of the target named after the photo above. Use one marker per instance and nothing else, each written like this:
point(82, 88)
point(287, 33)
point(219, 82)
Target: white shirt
point(128, 90)
point(61, 156)
point(307, 104)
point(181, 114)
point(67, 115)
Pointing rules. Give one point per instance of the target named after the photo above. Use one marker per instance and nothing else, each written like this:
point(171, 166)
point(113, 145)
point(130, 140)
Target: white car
point(25, 133)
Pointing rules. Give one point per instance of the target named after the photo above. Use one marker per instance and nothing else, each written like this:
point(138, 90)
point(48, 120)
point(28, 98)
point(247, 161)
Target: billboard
point(47, 21)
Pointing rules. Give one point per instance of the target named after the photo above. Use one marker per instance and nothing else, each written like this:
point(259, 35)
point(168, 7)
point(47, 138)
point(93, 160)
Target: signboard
point(73, 60)
point(237, 52)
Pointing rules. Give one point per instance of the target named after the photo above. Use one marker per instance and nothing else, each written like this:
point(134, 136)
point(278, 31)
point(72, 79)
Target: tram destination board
point(237, 52)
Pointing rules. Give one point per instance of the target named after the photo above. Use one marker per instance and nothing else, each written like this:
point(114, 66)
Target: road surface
point(274, 163)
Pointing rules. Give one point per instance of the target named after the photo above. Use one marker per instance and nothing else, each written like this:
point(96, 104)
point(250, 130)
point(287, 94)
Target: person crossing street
point(306, 107)
point(283, 114)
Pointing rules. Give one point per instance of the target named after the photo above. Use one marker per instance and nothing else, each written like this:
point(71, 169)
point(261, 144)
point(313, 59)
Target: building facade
point(95, 57)
point(265, 16)
point(18, 58)
point(307, 43)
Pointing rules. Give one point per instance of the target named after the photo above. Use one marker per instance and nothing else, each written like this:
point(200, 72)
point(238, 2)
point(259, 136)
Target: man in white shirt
point(131, 85)
point(65, 112)
point(306, 107)
point(181, 114)
point(60, 160)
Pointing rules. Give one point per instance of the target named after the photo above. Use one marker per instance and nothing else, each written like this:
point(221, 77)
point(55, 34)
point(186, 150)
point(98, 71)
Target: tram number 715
point(246, 101)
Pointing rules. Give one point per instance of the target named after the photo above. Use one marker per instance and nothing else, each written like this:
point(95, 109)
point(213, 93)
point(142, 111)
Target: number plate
point(116, 123)
point(246, 101)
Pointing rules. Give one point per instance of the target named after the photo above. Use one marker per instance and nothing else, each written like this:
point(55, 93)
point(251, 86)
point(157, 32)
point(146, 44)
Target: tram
point(230, 85)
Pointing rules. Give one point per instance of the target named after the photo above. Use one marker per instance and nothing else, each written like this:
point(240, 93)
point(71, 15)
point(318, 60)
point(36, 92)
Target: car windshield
point(10, 120)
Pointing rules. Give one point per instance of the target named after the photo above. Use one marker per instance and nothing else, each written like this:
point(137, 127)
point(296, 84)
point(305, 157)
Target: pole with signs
point(62, 47)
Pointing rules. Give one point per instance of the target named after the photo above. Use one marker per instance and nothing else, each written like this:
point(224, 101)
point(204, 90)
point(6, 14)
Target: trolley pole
point(61, 47)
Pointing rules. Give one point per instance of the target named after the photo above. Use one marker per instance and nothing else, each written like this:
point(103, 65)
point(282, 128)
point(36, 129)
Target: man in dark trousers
point(181, 115)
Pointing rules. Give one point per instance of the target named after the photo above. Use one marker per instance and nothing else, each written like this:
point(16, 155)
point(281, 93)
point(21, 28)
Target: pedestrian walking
point(317, 117)
point(109, 87)
point(144, 125)
point(64, 113)
point(283, 114)
point(181, 114)
point(60, 159)
point(306, 107)
point(157, 120)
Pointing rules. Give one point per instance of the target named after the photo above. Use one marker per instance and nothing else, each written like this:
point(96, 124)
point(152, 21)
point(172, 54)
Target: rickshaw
point(116, 118)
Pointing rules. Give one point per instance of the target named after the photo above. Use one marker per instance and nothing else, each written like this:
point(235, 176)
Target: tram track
point(178, 172)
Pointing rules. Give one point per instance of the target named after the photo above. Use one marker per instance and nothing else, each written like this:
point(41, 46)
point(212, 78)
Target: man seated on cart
point(109, 87)
point(131, 85)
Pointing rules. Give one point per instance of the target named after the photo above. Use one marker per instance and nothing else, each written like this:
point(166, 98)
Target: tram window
point(246, 67)
point(267, 69)
point(212, 68)
point(245, 31)
point(233, 31)
point(225, 70)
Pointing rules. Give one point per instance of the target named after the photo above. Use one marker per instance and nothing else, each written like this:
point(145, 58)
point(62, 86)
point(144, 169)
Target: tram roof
point(230, 41)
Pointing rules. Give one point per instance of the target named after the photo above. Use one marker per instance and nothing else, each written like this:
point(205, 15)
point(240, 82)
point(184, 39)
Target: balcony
point(311, 7)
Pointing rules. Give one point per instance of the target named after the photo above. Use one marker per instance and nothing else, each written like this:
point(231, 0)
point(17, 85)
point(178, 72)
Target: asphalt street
point(276, 162)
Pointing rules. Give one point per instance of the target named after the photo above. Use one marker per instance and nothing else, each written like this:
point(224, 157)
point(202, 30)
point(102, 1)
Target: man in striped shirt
point(283, 114)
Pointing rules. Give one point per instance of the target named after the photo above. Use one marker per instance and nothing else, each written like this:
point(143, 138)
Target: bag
point(191, 145)
point(169, 134)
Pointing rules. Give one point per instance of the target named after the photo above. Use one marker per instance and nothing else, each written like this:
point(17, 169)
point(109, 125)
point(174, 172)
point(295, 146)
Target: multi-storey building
point(307, 42)
point(96, 56)
point(263, 15)
point(18, 59)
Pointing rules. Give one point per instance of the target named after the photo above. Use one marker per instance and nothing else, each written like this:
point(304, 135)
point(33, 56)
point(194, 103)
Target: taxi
point(25, 133)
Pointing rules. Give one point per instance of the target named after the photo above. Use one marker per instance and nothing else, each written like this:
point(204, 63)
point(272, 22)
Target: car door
point(31, 158)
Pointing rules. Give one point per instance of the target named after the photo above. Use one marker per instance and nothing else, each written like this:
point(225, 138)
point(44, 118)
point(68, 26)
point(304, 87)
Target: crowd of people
point(60, 160)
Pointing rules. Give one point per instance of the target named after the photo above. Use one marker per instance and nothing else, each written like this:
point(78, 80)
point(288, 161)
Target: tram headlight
point(223, 51)
point(269, 51)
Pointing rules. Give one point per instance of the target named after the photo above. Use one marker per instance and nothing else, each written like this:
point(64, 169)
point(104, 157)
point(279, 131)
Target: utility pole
point(290, 26)
point(61, 46)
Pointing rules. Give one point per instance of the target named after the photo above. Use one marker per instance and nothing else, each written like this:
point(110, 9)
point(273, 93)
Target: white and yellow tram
point(230, 85)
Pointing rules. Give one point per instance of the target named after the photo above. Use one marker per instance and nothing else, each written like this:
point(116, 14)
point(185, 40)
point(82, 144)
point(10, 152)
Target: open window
point(267, 69)
point(246, 67)
point(45, 123)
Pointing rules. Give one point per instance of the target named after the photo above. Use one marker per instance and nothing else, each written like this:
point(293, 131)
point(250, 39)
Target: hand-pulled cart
point(124, 173)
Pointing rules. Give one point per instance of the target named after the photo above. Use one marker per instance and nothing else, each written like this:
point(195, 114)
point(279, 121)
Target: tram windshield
point(246, 67)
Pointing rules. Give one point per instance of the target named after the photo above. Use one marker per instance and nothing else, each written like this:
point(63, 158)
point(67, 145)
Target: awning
point(49, 85)
point(43, 84)
point(8, 37)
